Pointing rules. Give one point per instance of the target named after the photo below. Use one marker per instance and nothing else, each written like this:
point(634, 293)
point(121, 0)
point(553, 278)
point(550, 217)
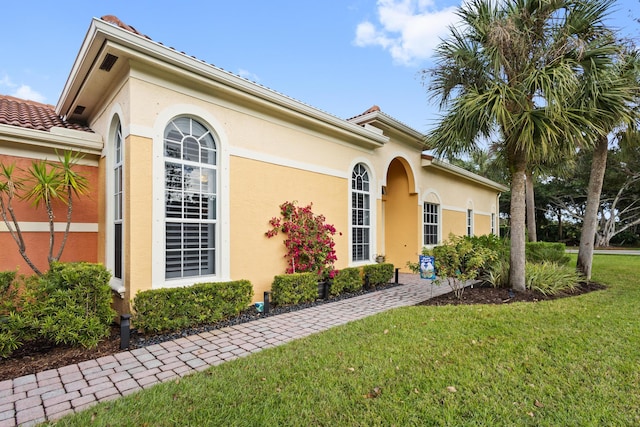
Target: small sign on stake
point(427, 267)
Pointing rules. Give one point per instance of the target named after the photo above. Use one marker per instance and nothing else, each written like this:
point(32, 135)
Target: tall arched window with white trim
point(190, 199)
point(360, 214)
point(118, 191)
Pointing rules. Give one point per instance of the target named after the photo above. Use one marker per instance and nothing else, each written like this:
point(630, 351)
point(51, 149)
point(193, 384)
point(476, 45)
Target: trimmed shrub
point(7, 292)
point(346, 280)
point(538, 252)
point(294, 288)
point(458, 260)
point(70, 304)
point(378, 274)
point(169, 309)
point(550, 278)
point(6, 279)
point(9, 342)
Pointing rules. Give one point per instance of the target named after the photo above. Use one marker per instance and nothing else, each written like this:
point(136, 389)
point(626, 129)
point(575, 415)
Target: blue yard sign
point(427, 267)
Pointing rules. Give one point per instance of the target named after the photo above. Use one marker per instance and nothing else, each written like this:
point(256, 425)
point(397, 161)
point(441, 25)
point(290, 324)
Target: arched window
point(360, 214)
point(118, 187)
point(190, 199)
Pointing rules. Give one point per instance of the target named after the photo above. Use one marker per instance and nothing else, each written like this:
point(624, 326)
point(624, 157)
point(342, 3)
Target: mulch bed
point(37, 356)
point(489, 295)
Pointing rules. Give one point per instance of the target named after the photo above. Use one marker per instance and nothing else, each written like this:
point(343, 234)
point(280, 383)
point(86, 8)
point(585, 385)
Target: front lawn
point(569, 362)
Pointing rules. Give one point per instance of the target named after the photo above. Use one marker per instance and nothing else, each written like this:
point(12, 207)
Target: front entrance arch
point(401, 215)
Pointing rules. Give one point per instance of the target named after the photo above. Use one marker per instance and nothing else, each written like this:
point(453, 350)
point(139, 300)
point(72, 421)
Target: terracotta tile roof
point(112, 19)
point(33, 115)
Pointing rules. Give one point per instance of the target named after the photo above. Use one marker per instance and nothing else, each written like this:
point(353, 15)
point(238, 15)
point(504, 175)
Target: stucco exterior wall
point(138, 216)
point(253, 255)
point(33, 221)
point(263, 160)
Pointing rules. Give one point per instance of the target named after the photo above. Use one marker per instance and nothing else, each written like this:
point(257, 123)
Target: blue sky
point(341, 56)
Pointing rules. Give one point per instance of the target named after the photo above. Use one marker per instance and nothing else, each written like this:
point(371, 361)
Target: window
point(360, 214)
point(117, 202)
point(190, 199)
point(430, 221)
point(469, 222)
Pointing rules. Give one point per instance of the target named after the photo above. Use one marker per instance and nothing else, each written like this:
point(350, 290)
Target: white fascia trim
point(56, 138)
point(416, 137)
point(281, 161)
point(58, 227)
point(455, 170)
point(100, 32)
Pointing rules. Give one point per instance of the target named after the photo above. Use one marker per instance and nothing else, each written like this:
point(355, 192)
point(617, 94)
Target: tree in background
point(612, 91)
point(509, 72)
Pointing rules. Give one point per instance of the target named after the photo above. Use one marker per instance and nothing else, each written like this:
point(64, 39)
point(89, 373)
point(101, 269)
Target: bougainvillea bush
point(309, 239)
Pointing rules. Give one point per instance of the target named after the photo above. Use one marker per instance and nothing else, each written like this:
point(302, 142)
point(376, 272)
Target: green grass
point(568, 362)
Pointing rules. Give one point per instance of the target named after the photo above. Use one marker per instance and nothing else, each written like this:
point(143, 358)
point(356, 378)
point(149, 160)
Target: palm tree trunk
point(16, 233)
point(590, 222)
point(52, 235)
point(518, 214)
point(531, 208)
point(68, 227)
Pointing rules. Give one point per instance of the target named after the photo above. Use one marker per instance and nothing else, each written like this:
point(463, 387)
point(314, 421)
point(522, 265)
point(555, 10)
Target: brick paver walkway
point(51, 394)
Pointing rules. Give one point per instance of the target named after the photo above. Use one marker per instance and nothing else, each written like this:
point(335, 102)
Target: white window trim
point(118, 285)
point(223, 246)
point(208, 168)
point(374, 195)
point(438, 224)
point(431, 195)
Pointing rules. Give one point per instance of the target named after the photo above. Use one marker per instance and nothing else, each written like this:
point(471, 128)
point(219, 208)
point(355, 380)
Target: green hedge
point(346, 280)
point(379, 274)
point(70, 304)
point(6, 279)
point(7, 292)
point(539, 252)
point(168, 309)
point(294, 288)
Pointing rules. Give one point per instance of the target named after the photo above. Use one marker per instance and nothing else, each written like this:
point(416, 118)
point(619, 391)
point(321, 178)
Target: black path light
point(125, 331)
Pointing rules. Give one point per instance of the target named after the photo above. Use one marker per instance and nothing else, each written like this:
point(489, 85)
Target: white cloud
point(248, 75)
point(22, 91)
point(5, 81)
point(408, 29)
point(25, 92)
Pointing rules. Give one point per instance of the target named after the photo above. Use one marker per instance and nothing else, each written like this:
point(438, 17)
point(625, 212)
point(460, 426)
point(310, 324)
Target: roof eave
point(430, 161)
point(55, 139)
point(101, 32)
point(408, 134)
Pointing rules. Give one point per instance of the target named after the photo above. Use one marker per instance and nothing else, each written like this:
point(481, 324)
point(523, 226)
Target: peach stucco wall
point(256, 257)
point(267, 158)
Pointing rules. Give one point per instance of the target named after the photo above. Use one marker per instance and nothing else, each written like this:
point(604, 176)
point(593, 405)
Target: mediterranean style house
point(187, 163)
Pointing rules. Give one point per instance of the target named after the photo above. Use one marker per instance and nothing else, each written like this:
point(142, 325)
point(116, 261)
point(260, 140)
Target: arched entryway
point(401, 215)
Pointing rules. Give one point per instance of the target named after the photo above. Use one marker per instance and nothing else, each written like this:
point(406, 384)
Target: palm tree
point(9, 188)
point(614, 90)
point(45, 182)
point(511, 70)
point(71, 182)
